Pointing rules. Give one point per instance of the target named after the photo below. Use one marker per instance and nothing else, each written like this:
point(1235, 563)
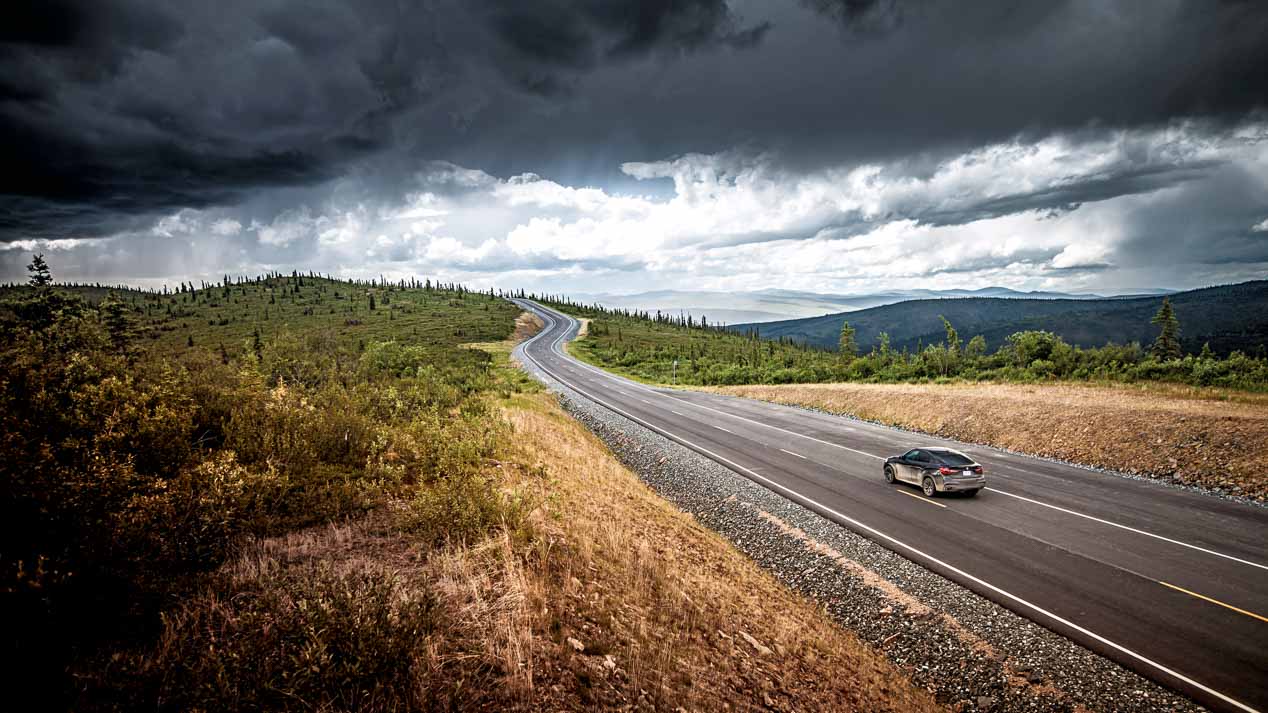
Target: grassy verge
point(1206, 437)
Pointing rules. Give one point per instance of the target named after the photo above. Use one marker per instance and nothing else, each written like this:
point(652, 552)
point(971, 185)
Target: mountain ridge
point(1227, 316)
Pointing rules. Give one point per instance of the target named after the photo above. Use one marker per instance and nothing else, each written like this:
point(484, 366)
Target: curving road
point(1170, 583)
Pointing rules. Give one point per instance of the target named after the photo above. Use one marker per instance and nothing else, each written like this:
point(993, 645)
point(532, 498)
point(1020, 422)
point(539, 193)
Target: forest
point(664, 348)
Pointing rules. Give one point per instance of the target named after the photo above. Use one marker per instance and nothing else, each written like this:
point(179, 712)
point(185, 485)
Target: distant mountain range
point(773, 305)
point(1229, 317)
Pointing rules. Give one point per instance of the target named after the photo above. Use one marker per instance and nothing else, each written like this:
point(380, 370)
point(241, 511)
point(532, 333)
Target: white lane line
point(723, 429)
point(645, 401)
point(920, 553)
point(680, 413)
point(1128, 528)
point(1002, 492)
point(795, 454)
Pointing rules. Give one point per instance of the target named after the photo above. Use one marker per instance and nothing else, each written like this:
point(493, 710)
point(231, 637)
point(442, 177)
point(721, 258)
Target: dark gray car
point(936, 470)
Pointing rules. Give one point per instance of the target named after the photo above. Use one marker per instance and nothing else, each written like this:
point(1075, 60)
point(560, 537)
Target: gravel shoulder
point(970, 653)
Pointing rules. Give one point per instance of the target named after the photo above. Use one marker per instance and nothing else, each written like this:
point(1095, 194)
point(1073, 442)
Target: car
point(936, 470)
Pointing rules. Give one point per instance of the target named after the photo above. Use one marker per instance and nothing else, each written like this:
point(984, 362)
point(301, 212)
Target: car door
point(916, 466)
point(907, 467)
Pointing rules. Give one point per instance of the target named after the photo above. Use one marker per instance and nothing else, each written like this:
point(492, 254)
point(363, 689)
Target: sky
point(617, 146)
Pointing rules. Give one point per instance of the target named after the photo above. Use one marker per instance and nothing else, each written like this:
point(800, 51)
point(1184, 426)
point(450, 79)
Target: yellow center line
point(1253, 615)
point(921, 498)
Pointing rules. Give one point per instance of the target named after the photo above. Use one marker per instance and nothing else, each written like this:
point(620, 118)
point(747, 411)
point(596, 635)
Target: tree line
point(646, 345)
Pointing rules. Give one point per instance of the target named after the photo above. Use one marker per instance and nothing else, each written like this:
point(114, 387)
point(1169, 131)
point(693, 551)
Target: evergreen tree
point(40, 274)
point(846, 344)
point(953, 337)
point(1167, 345)
point(371, 302)
point(118, 322)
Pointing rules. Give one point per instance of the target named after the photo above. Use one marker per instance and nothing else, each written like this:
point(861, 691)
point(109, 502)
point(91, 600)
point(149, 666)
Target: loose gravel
point(972, 654)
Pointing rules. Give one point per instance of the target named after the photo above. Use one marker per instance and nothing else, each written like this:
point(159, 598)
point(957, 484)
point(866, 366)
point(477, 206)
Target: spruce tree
point(40, 274)
point(846, 344)
point(1167, 345)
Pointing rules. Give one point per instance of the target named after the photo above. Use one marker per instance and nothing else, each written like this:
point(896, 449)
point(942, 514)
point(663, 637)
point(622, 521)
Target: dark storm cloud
point(120, 108)
point(115, 110)
point(1070, 195)
point(864, 16)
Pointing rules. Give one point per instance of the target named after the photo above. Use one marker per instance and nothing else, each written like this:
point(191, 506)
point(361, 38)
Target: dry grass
point(603, 597)
point(1197, 436)
point(635, 604)
point(610, 598)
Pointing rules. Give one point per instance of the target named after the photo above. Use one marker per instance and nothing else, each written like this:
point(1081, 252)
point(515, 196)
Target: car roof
point(942, 449)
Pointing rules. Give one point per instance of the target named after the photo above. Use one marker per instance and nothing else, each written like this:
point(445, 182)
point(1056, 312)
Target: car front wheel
point(889, 474)
point(928, 486)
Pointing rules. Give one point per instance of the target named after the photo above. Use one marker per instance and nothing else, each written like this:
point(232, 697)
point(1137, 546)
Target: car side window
point(920, 456)
point(911, 455)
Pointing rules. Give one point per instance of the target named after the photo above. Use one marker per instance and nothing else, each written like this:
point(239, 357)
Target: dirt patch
point(1192, 436)
point(526, 325)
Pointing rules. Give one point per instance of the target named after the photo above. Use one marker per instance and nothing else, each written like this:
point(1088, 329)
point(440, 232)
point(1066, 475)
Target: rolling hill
point(1228, 317)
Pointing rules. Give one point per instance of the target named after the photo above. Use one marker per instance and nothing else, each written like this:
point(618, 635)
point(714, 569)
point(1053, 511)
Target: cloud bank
point(616, 146)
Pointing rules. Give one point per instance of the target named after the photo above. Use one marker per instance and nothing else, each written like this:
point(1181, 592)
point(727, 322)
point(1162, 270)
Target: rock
point(576, 645)
point(1034, 678)
point(887, 610)
point(767, 700)
point(609, 663)
point(757, 645)
point(985, 702)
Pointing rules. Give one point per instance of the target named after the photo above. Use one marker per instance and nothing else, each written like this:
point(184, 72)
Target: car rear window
point(953, 458)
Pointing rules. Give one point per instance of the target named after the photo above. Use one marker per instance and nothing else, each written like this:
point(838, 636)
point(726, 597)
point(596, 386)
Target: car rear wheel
point(889, 474)
point(928, 486)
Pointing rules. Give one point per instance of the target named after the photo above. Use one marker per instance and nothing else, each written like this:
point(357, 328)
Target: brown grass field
point(1196, 436)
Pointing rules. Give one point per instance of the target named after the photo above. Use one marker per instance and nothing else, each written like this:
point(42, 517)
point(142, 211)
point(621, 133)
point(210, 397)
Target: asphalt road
point(1170, 583)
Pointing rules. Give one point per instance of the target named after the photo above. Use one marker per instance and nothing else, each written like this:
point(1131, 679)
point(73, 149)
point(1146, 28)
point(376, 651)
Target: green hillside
point(1230, 317)
point(147, 437)
point(350, 314)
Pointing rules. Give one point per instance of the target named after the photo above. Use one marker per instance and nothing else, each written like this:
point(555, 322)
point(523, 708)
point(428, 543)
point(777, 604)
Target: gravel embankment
point(971, 653)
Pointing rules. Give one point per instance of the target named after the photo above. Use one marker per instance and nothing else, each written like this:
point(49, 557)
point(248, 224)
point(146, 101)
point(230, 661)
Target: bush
point(309, 640)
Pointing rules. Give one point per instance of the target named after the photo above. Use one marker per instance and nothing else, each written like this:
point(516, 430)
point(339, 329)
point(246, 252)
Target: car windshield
point(953, 458)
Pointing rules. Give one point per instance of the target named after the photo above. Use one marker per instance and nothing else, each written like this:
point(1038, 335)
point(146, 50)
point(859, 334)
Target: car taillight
point(946, 471)
point(978, 469)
